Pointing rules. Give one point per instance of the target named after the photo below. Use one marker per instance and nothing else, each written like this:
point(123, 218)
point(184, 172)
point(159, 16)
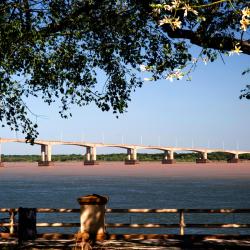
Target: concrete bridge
point(46, 151)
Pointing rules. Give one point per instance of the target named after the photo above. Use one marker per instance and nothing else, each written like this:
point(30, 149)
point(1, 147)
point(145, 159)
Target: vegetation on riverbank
point(182, 157)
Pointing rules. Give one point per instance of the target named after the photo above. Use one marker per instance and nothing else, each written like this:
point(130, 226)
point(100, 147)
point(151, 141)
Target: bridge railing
point(9, 224)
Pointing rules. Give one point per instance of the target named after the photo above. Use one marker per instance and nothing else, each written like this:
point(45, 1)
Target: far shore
point(143, 169)
point(190, 157)
point(244, 162)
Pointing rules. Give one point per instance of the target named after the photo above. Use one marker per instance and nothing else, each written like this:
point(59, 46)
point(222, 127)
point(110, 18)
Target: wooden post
point(12, 222)
point(26, 224)
point(92, 217)
point(182, 222)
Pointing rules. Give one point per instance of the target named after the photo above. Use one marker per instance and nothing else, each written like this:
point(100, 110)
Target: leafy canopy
point(55, 49)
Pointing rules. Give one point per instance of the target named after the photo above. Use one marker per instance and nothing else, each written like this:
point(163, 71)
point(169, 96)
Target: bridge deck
point(126, 146)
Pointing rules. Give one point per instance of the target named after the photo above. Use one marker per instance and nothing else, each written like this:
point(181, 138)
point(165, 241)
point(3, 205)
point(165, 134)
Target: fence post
point(12, 216)
point(182, 222)
point(92, 216)
point(26, 224)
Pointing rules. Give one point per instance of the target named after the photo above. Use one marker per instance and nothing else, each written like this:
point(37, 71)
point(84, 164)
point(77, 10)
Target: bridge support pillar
point(88, 151)
point(128, 154)
point(131, 157)
point(45, 156)
point(168, 157)
point(203, 159)
point(235, 159)
point(90, 156)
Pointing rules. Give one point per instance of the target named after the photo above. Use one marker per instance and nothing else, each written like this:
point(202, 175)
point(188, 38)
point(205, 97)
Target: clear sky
point(205, 112)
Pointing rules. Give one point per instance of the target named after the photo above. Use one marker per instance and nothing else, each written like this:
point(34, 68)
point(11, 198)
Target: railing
point(181, 225)
point(12, 225)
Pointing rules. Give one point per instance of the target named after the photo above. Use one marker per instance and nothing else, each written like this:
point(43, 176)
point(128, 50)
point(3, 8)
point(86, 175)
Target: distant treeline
point(182, 157)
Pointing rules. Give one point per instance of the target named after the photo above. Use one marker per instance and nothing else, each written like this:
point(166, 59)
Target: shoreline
point(140, 162)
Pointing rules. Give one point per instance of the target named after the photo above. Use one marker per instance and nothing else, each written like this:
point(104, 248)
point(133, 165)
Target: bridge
point(131, 149)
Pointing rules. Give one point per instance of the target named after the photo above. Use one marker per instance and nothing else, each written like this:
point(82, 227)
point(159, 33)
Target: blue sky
point(204, 112)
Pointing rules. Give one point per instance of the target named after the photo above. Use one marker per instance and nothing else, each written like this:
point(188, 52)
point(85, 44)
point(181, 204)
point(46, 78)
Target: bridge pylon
point(203, 159)
point(168, 157)
point(45, 156)
point(131, 157)
point(90, 156)
point(235, 159)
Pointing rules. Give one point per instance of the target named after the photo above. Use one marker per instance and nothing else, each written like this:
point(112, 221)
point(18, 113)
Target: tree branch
point(66, 22)
point(222, 43)
point(218, 42)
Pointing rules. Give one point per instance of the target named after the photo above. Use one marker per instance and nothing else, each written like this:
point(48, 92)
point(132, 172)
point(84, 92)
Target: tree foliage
point(180, 157)
point(55, 49)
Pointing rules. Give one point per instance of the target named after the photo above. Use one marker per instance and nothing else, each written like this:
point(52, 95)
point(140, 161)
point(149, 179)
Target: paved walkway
point(150, 244)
